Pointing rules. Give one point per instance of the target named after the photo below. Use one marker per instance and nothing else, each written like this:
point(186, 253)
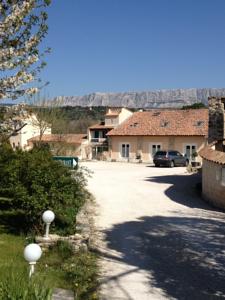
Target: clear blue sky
point(134, 45)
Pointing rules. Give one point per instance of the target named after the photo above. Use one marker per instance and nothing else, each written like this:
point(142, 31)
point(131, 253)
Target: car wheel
point(172, 164)
point(157, 165)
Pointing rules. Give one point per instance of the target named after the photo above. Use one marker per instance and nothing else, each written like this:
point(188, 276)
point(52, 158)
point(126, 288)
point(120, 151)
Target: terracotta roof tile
point(101, 126)
point(112, 115)
point(212, 155)
point(66, 138)
point(165, 122)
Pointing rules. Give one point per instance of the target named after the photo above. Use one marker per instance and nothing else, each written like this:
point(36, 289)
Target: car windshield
point(160, 153)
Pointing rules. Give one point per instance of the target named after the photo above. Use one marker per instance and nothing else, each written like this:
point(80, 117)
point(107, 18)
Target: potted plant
point(194, 163)
point(138, 157)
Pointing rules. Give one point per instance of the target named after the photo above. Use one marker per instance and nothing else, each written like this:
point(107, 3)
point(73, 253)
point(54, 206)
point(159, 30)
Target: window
point(164, 124)
point(134, 124)
point(173, 153)
point(96, 134)
point(125, 150)
point(155, 148)
point(161, 153)
point(199, 123)
point(176, 153)
point(157, 113)
point(189, 151)
point(111, 121)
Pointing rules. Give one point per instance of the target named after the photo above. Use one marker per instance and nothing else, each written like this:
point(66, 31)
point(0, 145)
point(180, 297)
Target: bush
point(197, 105)
point(81, 271)
point(35, 182)
point(64, 249)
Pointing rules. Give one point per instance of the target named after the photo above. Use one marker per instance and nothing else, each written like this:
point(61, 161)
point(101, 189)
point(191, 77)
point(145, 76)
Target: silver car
point(170, 158)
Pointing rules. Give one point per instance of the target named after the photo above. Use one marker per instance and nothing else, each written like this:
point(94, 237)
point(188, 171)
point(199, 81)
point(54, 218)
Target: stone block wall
point(216, 119)
point(213, 183)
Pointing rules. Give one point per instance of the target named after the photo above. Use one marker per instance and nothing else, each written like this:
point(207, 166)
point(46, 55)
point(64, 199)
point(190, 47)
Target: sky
point(134, 45)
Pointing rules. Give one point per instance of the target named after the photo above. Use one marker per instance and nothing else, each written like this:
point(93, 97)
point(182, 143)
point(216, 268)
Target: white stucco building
point(30, 130)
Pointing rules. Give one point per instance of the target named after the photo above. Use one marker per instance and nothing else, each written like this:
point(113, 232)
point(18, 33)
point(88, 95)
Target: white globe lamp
point(48, 217)
point(32, 254)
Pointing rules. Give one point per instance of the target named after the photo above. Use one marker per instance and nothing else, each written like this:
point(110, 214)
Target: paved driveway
point(160, 240)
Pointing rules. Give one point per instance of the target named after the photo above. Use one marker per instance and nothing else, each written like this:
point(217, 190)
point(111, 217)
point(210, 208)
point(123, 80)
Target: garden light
point(48, 217)
point(32, 253)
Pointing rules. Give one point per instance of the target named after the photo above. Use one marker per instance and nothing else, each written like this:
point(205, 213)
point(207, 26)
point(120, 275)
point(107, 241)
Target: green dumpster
point(69, 161)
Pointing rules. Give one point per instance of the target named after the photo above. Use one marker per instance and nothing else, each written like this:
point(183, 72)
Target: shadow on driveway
point(184, 189)
point(185, 256)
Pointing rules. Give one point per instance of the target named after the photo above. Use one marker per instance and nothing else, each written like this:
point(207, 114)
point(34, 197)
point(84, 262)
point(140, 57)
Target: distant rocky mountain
point(151, 99)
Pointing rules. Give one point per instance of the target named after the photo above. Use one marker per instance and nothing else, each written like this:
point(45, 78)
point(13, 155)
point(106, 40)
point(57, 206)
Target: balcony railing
point(98, 140)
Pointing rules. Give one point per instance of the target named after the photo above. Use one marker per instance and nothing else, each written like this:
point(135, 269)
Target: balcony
point(99, 140)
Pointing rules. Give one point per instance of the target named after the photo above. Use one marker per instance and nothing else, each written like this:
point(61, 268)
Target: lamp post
point(48, 217)
point(32, 253)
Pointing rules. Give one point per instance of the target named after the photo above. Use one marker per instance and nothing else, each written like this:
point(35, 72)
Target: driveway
point(159, 239)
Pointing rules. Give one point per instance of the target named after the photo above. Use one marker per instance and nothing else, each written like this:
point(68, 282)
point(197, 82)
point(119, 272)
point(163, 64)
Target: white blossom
point(22, 28)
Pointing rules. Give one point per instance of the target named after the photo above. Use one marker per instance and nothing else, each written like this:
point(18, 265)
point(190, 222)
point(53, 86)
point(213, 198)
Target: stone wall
point(216, 119)
point(213, 168)
point(213, 183)
point(85, 236)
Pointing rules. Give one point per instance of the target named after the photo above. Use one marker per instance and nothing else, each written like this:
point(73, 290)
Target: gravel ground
point(159, 240)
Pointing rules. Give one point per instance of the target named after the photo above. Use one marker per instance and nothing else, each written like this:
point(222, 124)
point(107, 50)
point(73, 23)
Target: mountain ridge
point(162, 98)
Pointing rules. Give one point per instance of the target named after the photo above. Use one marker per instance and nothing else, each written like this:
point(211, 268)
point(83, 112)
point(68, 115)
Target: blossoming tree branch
point(22, 28)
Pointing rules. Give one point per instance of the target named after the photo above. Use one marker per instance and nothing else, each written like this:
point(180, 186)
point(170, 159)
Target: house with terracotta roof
point(97, 134)
point(64, 144)
point(213, 155)
point(27, 124)
point(145, 132)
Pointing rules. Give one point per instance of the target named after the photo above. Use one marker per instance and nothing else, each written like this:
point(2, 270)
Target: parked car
point(170, 158)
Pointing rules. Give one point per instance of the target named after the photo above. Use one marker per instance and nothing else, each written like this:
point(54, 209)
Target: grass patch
point(11, 256)
point(14, 282)
point(57, 268)
point(11, 249)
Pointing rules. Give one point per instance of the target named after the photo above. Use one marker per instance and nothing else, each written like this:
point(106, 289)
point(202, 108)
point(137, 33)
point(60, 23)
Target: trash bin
point(69, 161)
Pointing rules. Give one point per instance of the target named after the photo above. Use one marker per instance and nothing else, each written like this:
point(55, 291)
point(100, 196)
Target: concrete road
point(159, 239)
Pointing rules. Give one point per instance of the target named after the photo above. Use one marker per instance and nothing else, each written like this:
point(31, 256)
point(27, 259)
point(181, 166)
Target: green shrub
point(64, 250)
point(15, 285)
point(35, 182)
point(197, 105)
point(81, 271)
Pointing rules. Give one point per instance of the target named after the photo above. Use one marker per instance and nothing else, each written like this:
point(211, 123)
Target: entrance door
point(125, 151)
point(154, 149)
point(189, 150)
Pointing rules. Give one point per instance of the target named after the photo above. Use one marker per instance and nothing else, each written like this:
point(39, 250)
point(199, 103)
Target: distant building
point(97, 134)
point(213, 168)
point(30, 129)
point(64, 144)
point(145, 132)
